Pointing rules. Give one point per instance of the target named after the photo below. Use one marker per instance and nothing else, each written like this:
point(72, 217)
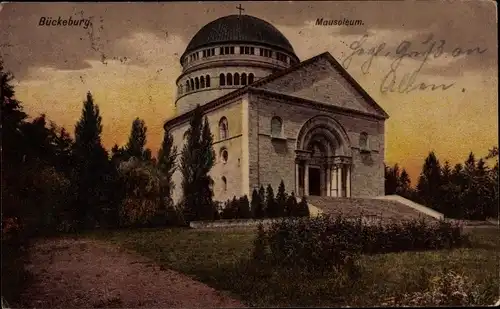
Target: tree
point(137, 141)
point(231, 209)
point(62, 143)
point(492, 153)
point(197, 159)
point(404, 182)
point(391, 179)
point(281, 199)
point(244, 208)
point(257, 205)
point(429, 182)
point(271, 204)
point(142, 186)
point(292, 207)
point(303, 208)
point(166, 163)
point(13, 118)
point(262, 197)
point(92, 170)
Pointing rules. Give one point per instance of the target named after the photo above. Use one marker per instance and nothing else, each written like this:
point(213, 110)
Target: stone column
point(297, 175)
point(328, 174)
point(306, 179)
point(348, 179)
point(339, 180)
point(334, 184)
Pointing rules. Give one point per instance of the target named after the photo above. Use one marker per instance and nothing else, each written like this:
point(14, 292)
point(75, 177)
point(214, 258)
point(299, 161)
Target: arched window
point(276, 127)
point(192, 84)
point(224, 183)
point(207, 81)
point(187, 86)
point(222, 80)
point(181, 88)
point(229, 79)
point(197, 82)
point(244, 79)
point(223, 128)
point(363, 141)
point(250, 78)
point(202, 82)
point(236, 79)
point(224, 155)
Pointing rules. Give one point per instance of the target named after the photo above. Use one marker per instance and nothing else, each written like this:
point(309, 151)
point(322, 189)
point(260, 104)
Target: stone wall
point(232, 168)
point(274, 160)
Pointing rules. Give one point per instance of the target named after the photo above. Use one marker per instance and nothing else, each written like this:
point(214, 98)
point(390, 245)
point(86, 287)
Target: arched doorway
point(323, 159)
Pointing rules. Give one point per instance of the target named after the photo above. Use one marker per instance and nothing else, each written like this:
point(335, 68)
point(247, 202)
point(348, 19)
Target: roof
point(254, 88)
point(239, 28)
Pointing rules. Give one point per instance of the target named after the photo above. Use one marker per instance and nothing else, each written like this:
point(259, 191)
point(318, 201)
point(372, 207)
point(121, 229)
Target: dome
point(239, 28)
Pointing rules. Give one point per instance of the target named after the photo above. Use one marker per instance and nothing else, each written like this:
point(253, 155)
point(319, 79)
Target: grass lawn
point(214, 257)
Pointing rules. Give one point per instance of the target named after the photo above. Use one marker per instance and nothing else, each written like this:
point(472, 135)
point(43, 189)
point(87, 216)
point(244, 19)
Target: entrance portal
point(314, 181)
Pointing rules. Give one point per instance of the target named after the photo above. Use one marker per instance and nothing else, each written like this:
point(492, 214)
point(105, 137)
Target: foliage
point(231, 209)
point(137, 141)
point(325, 242)
point(272, 207)
point(446, 288)
point(302, 208)
point(166, 165)
point(197, 159)
point(93, 171)
point(142, 185)
point(244, 208)
point(281, 199)
point(466, 191)
point(397, 181)
point(257, 205)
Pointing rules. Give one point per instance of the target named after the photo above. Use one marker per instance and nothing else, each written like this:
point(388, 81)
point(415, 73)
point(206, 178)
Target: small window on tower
point(224, 183)
point(224, 155)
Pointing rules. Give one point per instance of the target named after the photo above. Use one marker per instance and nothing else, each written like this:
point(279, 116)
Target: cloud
point(461, 23)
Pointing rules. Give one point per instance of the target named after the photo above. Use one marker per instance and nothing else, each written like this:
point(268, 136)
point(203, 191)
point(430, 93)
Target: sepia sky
point(129, 59)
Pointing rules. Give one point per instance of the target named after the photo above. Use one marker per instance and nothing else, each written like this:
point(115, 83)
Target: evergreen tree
point(231, 209)
point(13, 118)
point(92, 170)
point(303, 208)
point(271, 204)
point(403, 187)
point(429, 182)
point(492, 153)
point(391, 179)
point(167, 156)
point(62, 144)
point(244, 208)
point(292, 206)
point(281, 199)
point(197, 159)
point(257, 205)
point(262, 197)
point(137, 141)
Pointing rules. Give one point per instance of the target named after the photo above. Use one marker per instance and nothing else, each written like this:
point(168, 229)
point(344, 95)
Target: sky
point(128, 57)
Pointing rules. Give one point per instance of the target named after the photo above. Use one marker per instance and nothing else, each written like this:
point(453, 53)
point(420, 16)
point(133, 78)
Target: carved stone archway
point(323, 159)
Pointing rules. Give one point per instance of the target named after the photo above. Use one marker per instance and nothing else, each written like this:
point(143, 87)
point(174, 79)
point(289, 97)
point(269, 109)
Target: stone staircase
point(368, 208)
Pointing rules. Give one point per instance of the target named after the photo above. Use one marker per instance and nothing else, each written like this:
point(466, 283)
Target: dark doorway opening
point(314, 181)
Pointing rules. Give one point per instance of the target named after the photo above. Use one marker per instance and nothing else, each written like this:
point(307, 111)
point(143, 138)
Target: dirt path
point(92, 274)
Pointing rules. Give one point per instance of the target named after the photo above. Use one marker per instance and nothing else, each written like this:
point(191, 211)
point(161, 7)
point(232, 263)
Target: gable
point(322, 80)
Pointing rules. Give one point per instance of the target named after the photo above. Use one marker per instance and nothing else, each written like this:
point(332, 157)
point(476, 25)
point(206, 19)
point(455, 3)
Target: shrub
point(257, 205)
point(325, 242)
point(142, 183)
point(447, 288)
point(244, 208)
point(231, 209)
